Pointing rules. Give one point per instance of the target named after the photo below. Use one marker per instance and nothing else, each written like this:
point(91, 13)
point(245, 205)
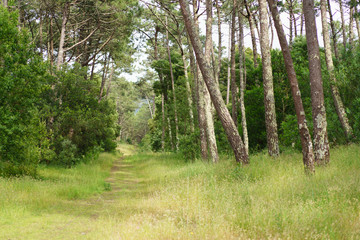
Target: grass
point(160, 196)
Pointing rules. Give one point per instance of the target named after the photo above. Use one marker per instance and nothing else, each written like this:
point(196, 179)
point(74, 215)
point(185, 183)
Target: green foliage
point(21, 76)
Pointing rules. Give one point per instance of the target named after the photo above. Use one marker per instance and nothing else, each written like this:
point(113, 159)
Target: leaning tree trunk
point(249, 16)
point(321, 144)
point(340, 110)
point(224, 115)
point(172, 88)
point(242, 81)
point(307, 146)
point(209, 117)
point(269, 99)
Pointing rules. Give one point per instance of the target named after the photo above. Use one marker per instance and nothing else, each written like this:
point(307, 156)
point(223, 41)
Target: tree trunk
point(269, 99)
point(60, 58)
point(228, 69)
point(321, 144)
point(333, 31)
point(104, 76)
point(242, 81)
point(51, 52)
point(351, 28)
point(199, 103)
point(219, 40)
point(252, 33)
point(5, 3)
point(343, 25)
point(224, 115)
point(172, 88)
point(234, 87)
point(357, 23)
point(109, 81)
point(307, 146)
point(330, 66)
point(209, 117)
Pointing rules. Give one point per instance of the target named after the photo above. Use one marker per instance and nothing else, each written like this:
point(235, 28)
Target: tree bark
point(172, 88)
point(351, 28)
point(339, 106)
point(218, 69)
point(109, 81)
point(242, 81)
point(333, 31)
point(60, 57)
point(269, 99)
point(209, 117)
point(224, 115)
point(307, 146)
point(343, 25)
point(234, 87)
point(321, 144)
point(252, 33)
point(228, 69)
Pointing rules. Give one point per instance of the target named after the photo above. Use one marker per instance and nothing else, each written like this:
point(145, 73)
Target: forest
point(188, 119)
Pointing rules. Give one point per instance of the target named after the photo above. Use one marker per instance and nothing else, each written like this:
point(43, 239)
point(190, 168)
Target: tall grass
point(161, 196)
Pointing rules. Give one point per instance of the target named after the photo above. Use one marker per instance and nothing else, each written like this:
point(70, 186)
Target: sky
point(140, 56)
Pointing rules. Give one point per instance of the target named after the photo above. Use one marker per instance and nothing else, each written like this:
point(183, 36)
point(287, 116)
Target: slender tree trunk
point(252, 32)
point(269, 99)
point(104, 76)
point(357, 23)
point(234, 88)
point(351, 28)
point(199, 102)
point(172, 88)
point(330, 66)
point(60, 58)
point(51, 54)
point(170, 133)
point(272, 29)
point(321, 144)
point(291, 23)
point(5, 3)
point(188, 91)
point(109, 81)
point(41, 32)
point(224, 115)
point(163, 122)
point(209, 117)
point(307, 146)
point(302, 24)
point(333, 31)
point(229, 69)
point(219, 40)
point(242, 81)
point(343, 25)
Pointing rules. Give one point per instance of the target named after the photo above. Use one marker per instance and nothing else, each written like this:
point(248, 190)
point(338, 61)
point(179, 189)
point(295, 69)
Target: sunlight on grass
point(159, 196)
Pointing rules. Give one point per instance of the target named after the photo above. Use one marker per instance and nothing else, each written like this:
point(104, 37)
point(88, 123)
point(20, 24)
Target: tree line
point(59, 70)
point(258, 99)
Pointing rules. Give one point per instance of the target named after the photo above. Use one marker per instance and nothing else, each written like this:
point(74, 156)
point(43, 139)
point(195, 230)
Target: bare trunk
point(163, 122)
point(219, 40)
point(5, 3)
point(333, 31)
point(224, 115)
point(41, 33)
point(51, 54)
point(357, 24)
point(170, 134)
point(103, 79)
point(209, 117)
point(234, 88)
point(351, 28)
point(307, 146)
point(172, 88)
point(229, 69)
point(60, 58)
point(269, 99)
point(242, 82)
point(343, 25)
point(188, 91)
point(330, 66)
point(321, 144)
point(253, 40)
point(109, 81)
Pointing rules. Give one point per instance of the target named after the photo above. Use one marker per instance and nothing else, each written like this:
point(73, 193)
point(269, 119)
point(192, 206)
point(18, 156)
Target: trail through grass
point(161, 196)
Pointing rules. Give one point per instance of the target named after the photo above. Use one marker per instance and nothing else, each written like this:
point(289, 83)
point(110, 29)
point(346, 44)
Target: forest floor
point(162, 196)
